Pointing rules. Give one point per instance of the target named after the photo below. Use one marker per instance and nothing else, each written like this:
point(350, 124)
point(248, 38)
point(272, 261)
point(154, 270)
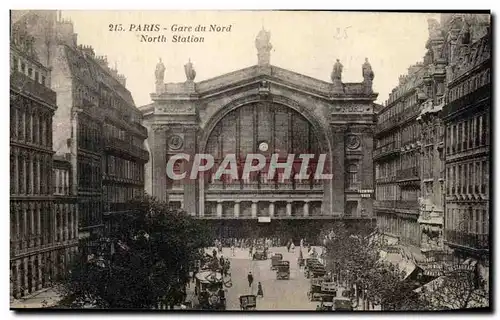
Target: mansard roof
point(92, 74)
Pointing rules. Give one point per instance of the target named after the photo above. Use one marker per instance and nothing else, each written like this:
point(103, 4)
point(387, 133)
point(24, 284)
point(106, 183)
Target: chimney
point(87, 50)
point(102, 61)
point(122, 79)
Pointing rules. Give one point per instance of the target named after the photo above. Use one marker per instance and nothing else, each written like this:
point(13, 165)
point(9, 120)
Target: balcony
point(396, 204)
point(411, 173)
point(127, 147)
point(470, 240)
point(410, 113)
point(386, 150)
point(141, 128)
point(26, 85)
point(386, 125)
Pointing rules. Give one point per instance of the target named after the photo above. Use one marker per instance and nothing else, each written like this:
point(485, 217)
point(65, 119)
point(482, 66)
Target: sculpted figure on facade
point(337, 71)
point(368, 75)
point(159, 72)
point(264, 47)
point(189, 70)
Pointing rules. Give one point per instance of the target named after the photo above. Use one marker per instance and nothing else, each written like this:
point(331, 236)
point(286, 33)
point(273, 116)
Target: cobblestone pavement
point(278, 294)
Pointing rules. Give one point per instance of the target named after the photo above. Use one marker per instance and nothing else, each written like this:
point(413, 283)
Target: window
point(23, 67)
point(352, 174)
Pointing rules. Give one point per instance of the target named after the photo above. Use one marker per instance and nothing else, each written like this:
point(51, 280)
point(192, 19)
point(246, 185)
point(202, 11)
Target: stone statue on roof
point(189, 70)
point(264, 47)
point(337, 71)
point(160, 72)
point(368, 74)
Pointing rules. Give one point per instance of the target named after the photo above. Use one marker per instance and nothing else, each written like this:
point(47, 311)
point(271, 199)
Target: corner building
point(96, 126)
point(42, 236)
point(289, 112)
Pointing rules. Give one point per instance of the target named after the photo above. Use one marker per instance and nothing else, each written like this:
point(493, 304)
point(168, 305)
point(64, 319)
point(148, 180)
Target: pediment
point(256, 74)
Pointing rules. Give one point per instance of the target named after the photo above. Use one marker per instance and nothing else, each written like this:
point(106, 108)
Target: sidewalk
point(44, 298)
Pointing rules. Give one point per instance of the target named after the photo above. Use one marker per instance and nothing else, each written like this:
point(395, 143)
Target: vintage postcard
point(250, 160)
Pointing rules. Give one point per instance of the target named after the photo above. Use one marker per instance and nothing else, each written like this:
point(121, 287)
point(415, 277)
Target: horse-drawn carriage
point(210, 290)
point(283, 270)
point(248, 302)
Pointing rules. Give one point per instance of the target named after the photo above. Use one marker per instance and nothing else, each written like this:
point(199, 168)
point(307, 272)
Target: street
point(278, 294)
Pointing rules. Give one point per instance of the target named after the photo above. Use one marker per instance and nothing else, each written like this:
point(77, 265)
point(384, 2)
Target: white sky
point(303, 42)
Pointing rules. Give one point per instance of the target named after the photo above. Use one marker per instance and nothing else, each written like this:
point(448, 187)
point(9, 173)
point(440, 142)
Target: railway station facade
point(264, 110)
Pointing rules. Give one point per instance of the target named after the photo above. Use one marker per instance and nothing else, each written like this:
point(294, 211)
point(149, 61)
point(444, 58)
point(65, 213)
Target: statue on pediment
point(337, 71)
point(160, 72)
point(189, 70)
point(368, 74)
point(264, 47)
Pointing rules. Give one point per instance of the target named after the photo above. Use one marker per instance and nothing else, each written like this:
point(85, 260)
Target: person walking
point(260, 292)
point(250, 279)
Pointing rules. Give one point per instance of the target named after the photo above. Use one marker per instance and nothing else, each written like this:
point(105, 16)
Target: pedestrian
point(250, 279)
point(260, 293)
point(232, 249)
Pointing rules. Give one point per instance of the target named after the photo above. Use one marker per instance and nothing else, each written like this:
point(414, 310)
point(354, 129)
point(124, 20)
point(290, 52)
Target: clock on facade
point(353, 142)
point(175, 142)
point(263, 146)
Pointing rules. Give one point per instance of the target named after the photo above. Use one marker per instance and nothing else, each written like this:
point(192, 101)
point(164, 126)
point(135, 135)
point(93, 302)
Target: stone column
point(33, 220)
point(17, 290)
point(54, 212)
point(18, 235)
point(190, 186)
point(306, 208)
point(219, 209)
point(159, 162)
point(39, 271)
point(237, 209)
point(271, 209)
point(338, 155)
point(254, 208)
point(66, 221)
point(25, 275)
point(39, 212)
point(289, 208)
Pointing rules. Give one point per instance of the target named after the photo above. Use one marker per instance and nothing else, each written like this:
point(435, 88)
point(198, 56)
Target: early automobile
point(276, 259)
point(314, 292)
point(260, 253)
point(342, 304)
point(327, 301)
point(248, 302)
point(283, 270)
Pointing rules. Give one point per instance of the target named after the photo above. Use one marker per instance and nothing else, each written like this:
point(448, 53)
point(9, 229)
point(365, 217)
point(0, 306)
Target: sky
point(306, 42)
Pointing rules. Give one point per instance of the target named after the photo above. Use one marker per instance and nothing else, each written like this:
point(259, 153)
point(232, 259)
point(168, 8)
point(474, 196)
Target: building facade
point(96, 125)
point(38, 241)
point(397, 159)
point(467, 125)
point(287, 113)
point(432, 134)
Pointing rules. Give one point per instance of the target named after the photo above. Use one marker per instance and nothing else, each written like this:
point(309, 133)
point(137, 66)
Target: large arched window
point(280, 129)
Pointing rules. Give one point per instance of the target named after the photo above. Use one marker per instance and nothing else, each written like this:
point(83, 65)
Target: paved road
point(278, 294)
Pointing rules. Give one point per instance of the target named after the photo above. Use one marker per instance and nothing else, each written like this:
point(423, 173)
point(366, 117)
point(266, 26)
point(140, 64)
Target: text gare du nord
point(182, 38)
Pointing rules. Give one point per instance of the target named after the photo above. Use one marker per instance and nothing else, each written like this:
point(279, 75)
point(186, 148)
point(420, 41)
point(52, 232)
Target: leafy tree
point(354, 256)
point(143, 261)
point(457, 289)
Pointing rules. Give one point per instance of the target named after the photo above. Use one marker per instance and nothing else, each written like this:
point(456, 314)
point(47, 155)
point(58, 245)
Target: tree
point(461, 288)
point(354, 256)
point(143, 261)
